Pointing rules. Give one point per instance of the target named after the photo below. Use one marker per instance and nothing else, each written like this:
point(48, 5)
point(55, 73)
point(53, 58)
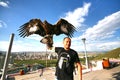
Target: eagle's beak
point(44, 41)
point(48, 40)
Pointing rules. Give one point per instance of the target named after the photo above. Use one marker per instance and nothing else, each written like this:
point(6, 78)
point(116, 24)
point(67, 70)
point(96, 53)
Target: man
point(67, 58)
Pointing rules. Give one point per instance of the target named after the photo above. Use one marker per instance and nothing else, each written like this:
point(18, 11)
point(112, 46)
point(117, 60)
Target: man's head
point(66, 43)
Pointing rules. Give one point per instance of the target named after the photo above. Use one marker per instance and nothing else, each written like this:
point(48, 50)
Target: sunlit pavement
point(88, 74)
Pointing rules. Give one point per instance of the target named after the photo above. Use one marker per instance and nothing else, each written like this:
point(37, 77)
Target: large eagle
point(46, 30)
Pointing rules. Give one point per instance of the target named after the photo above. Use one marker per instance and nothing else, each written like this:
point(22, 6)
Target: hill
point(113, 53)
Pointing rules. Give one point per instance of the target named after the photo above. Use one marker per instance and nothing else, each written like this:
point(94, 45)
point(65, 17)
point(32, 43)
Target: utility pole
point(86, 61)
point(6, 62)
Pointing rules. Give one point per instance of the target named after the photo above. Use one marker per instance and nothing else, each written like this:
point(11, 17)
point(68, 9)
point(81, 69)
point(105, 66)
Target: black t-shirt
point(70, 57)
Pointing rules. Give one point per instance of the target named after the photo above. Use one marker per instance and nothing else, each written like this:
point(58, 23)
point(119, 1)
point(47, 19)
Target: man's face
point(67, 43)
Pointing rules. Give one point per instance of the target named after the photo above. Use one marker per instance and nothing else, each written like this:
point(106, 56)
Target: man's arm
point(79, 68)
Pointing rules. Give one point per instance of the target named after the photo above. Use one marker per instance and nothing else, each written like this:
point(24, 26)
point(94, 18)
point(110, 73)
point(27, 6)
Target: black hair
point(66, 37)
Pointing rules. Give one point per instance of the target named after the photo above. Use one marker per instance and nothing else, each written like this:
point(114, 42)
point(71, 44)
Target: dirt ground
point(104, 74)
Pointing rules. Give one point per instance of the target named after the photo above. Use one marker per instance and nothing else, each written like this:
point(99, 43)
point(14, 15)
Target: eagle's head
point(48, 40)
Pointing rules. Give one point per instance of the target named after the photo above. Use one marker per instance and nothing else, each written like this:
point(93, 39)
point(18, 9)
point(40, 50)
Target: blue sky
point(96, 20)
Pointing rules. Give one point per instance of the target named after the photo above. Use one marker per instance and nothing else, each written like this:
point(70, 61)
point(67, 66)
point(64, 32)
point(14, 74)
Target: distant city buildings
point(35, 55)
point(38, 55)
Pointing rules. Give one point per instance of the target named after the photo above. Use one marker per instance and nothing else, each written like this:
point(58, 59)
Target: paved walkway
point(105, 74)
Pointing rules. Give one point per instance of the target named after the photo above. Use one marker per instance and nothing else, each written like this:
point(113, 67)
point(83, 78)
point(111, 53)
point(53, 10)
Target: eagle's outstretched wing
point(34, 26)
point(64, 27)
point(46, 30)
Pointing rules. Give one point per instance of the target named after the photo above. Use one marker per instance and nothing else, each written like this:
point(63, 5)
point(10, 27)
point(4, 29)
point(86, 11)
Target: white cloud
point(23, 45)
point(31, 43)
point(28, 46)
point(109, 45)
point(94, 46)
point(2, 24)
point(4, 4)
point(77, 17)
point(104, 46)
point(4, 45)
point(34, 37)
point(105, 28)
point(97, 37)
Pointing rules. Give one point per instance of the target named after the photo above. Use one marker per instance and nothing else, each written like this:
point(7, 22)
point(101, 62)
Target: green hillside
point(115, 53)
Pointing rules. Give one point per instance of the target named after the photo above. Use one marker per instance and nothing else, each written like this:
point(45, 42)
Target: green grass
point(48, 63)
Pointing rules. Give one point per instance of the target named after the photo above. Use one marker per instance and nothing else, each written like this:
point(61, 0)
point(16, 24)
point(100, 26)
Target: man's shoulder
point(58, 47)
point(73, 50)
